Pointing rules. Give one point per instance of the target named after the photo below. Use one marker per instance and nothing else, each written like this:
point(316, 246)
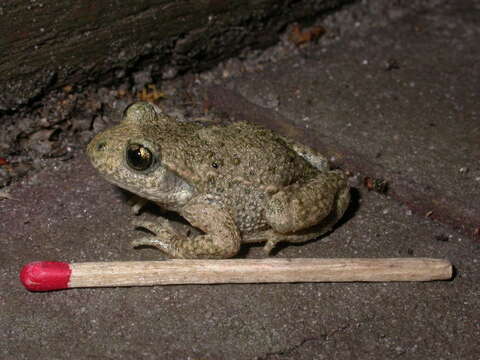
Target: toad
point(239, 183)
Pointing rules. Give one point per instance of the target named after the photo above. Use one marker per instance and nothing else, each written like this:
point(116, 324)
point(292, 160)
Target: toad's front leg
point(221, 238)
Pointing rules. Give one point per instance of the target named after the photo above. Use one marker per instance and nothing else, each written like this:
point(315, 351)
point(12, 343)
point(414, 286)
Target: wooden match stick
point(45, 275)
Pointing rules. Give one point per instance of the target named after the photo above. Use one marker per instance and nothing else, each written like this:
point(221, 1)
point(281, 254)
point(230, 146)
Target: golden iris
point(139, 157)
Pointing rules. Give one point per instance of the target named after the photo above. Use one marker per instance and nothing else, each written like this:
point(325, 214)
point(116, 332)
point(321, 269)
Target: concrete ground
point(405, 98)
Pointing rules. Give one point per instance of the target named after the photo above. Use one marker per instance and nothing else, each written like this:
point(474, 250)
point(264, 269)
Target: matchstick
point(45, 275)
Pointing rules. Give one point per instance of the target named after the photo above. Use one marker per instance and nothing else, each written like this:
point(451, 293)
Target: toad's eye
point(139, 157)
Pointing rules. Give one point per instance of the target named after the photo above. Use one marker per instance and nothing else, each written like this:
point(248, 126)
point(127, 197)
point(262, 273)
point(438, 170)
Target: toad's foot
point(269, 245)
point(164, 235)
point(137, 203)
point(272, 238)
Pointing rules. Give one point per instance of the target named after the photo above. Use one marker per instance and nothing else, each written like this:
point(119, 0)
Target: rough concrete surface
point(404, 96)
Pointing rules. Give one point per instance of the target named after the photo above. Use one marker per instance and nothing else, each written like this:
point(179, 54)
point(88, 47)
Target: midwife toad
point(236, 183)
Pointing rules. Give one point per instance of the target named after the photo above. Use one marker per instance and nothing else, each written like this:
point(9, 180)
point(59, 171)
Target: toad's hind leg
point(302, 205)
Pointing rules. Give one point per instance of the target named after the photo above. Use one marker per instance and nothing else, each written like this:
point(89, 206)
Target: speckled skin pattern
point(236, 183)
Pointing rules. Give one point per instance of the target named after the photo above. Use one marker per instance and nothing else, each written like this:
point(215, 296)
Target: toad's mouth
point(165, 189)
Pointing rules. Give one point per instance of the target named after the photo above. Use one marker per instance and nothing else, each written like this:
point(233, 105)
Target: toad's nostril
point(101, 146)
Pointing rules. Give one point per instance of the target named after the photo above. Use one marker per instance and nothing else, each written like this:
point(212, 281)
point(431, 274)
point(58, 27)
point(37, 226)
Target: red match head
point(45, 275)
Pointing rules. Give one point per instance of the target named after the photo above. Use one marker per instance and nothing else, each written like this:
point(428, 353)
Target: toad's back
point(240, 152)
